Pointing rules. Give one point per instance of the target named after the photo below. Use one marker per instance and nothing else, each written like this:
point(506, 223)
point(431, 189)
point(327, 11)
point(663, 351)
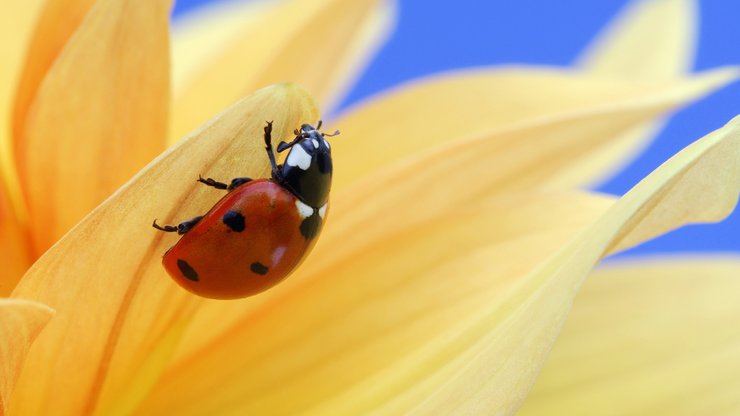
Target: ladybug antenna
point(318, 127)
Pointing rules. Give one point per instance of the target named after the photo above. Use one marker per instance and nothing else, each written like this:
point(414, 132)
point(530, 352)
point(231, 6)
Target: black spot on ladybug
point(187, 270)
point(235, 221)
point(258, 268)
point(311, 225)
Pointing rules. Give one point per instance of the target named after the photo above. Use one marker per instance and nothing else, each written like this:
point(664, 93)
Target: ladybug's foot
point(181, 228)
point(212, 182)
point(237, 182)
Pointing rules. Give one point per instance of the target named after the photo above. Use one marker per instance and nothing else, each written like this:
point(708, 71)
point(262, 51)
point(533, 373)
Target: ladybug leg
point(180, 228)
point(236, 182)
point(212, 182)
point(270, 154)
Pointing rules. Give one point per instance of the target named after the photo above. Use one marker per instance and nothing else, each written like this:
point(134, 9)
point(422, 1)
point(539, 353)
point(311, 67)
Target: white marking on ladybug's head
point(322, 211)
point(304, 210)
point(298, 157)
point(326, 143)
point(315, 143)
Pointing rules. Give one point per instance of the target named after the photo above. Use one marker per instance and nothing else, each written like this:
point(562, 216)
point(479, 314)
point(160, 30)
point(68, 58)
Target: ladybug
point(257, 234)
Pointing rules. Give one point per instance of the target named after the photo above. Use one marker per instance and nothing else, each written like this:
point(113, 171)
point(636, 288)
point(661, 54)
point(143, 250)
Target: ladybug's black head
point(307, 128)
point(307, 169)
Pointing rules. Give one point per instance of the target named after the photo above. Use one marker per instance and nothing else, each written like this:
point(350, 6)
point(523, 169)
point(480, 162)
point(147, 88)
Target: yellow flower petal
point(57, 21)
point(16, 24)
point(14, 246)
point(534, 154)
point(316, 43)
point(99, 115)
point(329, 334)
point(16, 28)
point(651, 39)
point(491, 102)
point(699, 184)
point(20, 323)
point(105, 278)
point(199, 36)
point(662, 333)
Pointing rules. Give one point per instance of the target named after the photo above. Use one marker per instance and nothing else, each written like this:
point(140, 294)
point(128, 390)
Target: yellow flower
point(457, 242)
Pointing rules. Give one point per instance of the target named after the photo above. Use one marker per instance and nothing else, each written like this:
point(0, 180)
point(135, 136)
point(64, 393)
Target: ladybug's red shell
point(248, 242)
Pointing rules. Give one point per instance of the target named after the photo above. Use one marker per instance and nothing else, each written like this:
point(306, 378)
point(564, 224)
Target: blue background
point(434, 36)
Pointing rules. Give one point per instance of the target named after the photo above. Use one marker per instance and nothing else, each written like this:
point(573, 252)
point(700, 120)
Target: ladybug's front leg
point(236, 182)
point(180, 228)
point(270, 153)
